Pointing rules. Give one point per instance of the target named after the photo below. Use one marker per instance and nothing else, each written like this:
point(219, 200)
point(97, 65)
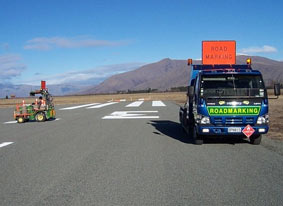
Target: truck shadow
point(171, 129)
point(174, 130)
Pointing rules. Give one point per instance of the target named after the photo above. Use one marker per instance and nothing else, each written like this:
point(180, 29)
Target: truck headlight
point(202, 119)
point(205, 120)
point(263, 119)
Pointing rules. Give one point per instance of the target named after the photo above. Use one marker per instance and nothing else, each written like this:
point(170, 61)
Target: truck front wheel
point(197, 139)
point(255, 140)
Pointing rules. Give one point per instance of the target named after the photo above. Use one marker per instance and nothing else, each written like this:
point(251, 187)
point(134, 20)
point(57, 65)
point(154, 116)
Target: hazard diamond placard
point(248, 131)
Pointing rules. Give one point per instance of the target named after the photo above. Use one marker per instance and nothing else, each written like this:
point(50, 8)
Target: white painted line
point(142, 99)
point(158, 104)
point(80, 106)
point(135, 104)
point(142, 117)
point(5, 144)
point(138, 111)
point(102, 105)
point(10, 122)
point(122, 100)
point(131, 115)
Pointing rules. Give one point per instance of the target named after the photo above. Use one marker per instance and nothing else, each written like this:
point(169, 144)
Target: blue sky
point(66, 40)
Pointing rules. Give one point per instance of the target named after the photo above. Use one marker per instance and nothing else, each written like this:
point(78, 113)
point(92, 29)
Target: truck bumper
point(224, 130)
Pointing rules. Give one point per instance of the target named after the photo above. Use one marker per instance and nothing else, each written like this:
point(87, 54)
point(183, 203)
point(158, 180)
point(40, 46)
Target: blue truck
point(226, 100)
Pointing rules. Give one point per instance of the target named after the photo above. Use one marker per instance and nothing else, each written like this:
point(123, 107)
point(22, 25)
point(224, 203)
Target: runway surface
point(129, 153)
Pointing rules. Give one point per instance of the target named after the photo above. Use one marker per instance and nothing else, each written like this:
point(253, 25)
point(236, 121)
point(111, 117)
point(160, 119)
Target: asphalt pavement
point(135, 155)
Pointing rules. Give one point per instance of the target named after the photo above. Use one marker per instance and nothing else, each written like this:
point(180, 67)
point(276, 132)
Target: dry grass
point(276, 117)
point(275, 105)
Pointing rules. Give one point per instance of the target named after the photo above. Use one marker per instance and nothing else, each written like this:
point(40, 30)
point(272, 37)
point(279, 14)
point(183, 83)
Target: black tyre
point(256, 140)
point(20, 120)
point(197, 139)
point(183, 129)
point(40, 117)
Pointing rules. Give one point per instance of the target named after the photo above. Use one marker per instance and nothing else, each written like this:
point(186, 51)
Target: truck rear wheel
point(255, 140)
point(40, 117)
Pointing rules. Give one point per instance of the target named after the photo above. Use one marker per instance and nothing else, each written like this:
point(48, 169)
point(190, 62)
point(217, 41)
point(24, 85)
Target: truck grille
point(249, 120)
point(234, 121)
point(218, 120)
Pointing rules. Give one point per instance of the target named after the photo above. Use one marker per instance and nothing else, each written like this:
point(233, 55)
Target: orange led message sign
point(219, 52)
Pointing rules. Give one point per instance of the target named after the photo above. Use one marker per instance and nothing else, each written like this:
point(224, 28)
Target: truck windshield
point(231, 85)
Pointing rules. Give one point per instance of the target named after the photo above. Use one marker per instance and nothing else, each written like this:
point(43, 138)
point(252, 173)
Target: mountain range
point(162, 75)
point(169, 73)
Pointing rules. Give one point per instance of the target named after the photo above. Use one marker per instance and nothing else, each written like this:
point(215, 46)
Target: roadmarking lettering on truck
point(252, 110)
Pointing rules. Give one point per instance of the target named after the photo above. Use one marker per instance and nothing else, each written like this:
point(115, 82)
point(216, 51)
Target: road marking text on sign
point(131, 115)
point(248, 131)
point(5, 144)
point(158, 104)
point(80, 106)
point(135, 104)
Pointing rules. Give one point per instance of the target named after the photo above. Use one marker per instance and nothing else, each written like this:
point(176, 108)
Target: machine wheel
point(197, 140)
point(20, 120)
point(40, 117)
point(255, 140)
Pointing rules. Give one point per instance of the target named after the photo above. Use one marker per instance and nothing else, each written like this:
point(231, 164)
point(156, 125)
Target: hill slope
point(168, 73)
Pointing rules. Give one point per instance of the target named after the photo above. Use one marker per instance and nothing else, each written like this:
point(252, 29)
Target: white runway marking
point(135, 104)
point(102, 105)
point(158, 104)
point(131, 115)
point(5, 144)
point(10, 122)
point(80, 106)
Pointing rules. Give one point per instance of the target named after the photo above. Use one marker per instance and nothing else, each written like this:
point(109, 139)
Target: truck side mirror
point(277, 89)
point(191, 91)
